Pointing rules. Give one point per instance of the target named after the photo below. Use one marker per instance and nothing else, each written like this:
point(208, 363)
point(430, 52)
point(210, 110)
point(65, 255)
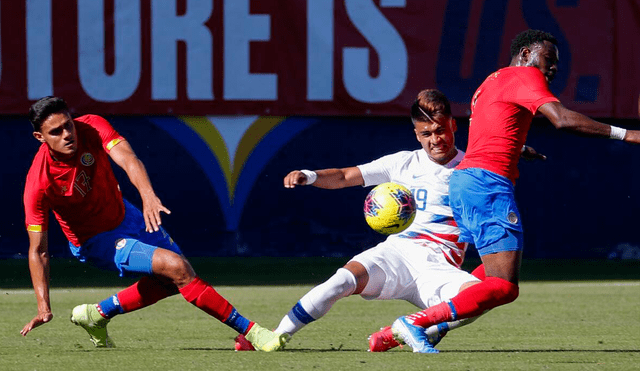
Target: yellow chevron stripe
point(211, 136)
point(248, 143)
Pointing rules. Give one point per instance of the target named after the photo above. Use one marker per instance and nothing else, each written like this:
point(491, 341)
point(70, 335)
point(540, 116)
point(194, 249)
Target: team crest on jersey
point(121, 243)
point(512, 218)
point(87, 159)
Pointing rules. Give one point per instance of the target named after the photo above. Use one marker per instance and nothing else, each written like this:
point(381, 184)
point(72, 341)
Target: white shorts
point(403, 269)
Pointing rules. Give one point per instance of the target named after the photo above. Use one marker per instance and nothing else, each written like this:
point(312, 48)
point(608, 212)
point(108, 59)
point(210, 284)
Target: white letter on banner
point(320, 50)
point(39, 60)
point(95, 81)
point(166, 30)
point(391, 50)
point(240, 28)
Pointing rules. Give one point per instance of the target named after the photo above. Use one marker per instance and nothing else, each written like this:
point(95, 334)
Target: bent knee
point(173, 266)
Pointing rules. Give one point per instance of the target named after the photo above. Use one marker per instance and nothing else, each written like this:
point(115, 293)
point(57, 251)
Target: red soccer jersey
point(82, 192)
point(501, 112)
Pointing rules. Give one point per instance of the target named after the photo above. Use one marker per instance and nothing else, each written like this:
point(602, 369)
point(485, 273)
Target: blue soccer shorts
point(484, 206)
point(128, 248)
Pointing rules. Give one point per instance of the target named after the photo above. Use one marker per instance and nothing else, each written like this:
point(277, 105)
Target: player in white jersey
point(421, 264)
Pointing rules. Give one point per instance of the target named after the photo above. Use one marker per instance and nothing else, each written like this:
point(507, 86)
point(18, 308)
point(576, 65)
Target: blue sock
point(110, 307)
point(302, 314)
point(443, 328)
point(237, 322)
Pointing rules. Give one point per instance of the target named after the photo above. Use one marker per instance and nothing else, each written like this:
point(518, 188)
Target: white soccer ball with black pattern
point(389, 208)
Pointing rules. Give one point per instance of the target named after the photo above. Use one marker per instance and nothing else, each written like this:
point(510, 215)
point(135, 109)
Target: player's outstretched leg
point(204, 296)
point(414, 336)
point(312, 306)
point(88, 317)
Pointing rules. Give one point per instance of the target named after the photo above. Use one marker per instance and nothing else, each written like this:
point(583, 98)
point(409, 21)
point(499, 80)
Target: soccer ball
point(389, 208)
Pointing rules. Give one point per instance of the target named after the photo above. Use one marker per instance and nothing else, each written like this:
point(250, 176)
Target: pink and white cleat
point(382, 340)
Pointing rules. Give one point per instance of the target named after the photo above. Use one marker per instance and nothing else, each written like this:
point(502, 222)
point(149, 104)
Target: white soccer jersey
point(434, 226)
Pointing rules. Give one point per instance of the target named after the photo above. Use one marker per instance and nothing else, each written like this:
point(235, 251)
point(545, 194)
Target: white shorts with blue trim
point(399, 268)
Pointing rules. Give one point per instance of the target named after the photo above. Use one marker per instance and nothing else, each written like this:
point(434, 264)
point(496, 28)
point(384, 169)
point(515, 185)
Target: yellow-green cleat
point(88, 317)
point(265, 340)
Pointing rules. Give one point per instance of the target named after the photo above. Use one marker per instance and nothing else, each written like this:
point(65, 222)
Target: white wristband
point(617, 133)
point(311, 176)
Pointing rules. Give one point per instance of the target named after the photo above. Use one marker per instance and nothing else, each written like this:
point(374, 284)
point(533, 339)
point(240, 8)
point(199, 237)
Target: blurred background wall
point(221, 99)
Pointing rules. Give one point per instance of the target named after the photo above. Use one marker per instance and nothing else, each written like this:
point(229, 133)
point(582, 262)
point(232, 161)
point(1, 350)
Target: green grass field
point(555, 325)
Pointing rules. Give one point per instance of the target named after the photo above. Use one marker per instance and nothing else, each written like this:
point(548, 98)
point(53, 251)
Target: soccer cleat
point(413, 336)
point(382, 340)
point(88, 317)
point(265, 340)
point(242, 344)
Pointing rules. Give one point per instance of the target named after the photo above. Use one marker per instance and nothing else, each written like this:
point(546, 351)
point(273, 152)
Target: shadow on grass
point(308, 350)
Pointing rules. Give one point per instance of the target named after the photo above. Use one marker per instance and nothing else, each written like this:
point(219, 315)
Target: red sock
point(144, 293)
point(432, 315)
point(479, 272)
point(471, 302)
point(488, 294)
point(203, 296)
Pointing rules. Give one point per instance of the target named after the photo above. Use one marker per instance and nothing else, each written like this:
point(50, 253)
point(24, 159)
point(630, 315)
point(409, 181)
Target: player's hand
point(295, 178)
point(38, 320)
point(530, 154)
point(633, 137)
point(151, 208)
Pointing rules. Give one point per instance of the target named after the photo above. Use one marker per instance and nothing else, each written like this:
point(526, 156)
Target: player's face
point(544, 56)
point(437, 138)
point(59, 132)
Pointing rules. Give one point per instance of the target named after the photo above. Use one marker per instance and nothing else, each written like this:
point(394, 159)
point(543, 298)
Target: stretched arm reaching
point(123, 155)
point(566, 119)
point(327, 178)
point(39, 269)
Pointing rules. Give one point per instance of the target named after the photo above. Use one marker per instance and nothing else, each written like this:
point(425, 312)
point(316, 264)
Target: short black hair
point(528, 38)
point(45, 107)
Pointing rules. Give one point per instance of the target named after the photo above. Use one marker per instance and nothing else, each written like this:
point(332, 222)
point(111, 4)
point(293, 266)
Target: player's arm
point(566, 119)
point(123, 155)
point(39, 269)
point(326, 178)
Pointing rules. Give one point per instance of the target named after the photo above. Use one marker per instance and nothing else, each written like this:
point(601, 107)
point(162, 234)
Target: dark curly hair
point(528, 38)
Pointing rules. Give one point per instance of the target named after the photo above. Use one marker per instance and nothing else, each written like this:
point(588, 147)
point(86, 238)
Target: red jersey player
point(482, 186)
point(71, 175)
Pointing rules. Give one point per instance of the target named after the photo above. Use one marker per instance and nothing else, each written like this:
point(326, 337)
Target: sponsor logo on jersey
point(512, 218)
point(121, 243)
point(87, 159)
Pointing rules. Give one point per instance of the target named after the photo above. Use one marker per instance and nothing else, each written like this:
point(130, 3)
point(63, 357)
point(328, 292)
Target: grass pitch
point(569, 325)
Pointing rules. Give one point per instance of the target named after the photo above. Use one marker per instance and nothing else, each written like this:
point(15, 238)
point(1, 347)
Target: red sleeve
point(36, 207)
point(108, 134)
point(533, 91)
